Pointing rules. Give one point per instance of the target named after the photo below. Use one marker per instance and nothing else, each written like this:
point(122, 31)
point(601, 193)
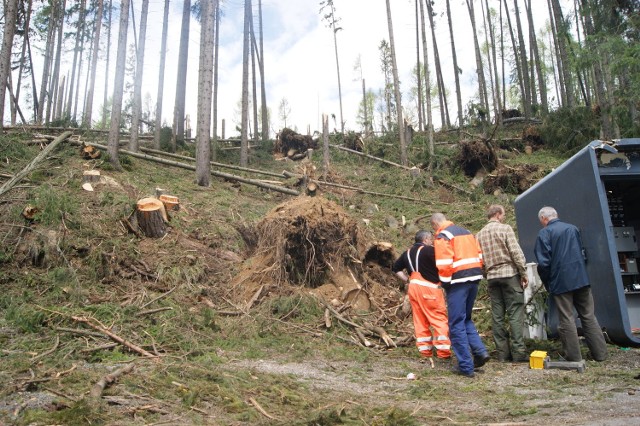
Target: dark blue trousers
point(465, 340)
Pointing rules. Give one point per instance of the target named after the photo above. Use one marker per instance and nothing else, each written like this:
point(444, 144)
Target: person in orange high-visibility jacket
point(426, 296)
point(459, 263)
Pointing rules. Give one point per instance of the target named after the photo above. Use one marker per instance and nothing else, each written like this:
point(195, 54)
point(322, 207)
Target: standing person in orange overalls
point(426, 296)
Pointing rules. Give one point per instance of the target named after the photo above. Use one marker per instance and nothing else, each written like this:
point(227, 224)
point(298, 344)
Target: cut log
point(91, 175)
point(292, 152)
point(171, 203)
point(312, 188)
point(29, 212)
point(151, 217)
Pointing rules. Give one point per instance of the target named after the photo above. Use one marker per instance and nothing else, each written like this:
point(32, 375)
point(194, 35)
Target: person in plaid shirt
point(504, 268)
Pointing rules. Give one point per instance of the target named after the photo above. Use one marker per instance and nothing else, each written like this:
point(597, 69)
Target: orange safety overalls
point(429, 311)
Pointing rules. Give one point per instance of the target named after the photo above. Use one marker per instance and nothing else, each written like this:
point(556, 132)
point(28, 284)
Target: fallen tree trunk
point(32, 165)
point(214, 173)
point(382, 160)
point(213, 163)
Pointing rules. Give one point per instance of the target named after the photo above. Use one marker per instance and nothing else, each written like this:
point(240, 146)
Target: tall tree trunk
point(23, 57)
point(482, 85)
point(244, 141)
point(106, 68)
point(542, 81)
point(205, 83)
point(10, 19)
point(263, 90)
point(495, 77)
point(215, 83)
point(137, 90)
point(396, 83)
point(561, 40)
point(516, 59)
point(601, 91)
point(528, 93)
point(118, 86)
point(442, 94)
point(419, 71)
point(456, 68)
point(88, 109)
point(335, 29)
point(181, 84)
point(76, 52)
point(46, 70)
point(52, 101)
point(254, 54)
point(427, 83)
point(163, 57)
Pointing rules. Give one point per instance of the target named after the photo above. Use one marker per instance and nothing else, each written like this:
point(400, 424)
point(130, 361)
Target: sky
point(300, 60)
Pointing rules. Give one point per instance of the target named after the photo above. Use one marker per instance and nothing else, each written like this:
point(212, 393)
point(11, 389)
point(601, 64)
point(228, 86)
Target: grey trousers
point(507, 307)
point(582, 300)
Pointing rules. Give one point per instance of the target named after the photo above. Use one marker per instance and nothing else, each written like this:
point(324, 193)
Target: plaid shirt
point(501, 252)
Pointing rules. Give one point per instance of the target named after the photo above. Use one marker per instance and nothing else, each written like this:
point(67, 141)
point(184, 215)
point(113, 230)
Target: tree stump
point(91, 176)
point(171, 203)
point(152, 217)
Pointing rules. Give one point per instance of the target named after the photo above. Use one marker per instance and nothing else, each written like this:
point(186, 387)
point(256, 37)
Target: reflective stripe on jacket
point(458, 254)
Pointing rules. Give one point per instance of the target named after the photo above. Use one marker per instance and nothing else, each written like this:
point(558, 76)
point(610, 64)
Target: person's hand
point(524, 281)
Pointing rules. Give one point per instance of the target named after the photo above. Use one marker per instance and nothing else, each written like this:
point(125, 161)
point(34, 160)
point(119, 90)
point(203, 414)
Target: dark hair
point(423, 235)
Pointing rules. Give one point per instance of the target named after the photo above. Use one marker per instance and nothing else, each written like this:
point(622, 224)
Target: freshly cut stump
point(171, 203)
point(152, 217)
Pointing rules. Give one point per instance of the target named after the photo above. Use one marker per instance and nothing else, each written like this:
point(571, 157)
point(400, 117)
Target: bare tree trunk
point(23, 60)
point(263, 90)
point(396, 83)
point(137, 90)
point(76, 51)
point(88, 109)
point(442, 95)
point(528, 93)
point(482, 85)
point(563, 59)
point(493, 67)
point(118, 86)
point(10, 16)
point(244, 141)
point(516, 59)
point(205, 84)
point(181, 84)
point(106, 80)
point(325, 146)
point(254, 53)
point(215, 84)
point(52, 101)
point(427, 83)
point(46, 70)
point(163, 58)
point(456, 68)
point(542, 83)
point(419, 71)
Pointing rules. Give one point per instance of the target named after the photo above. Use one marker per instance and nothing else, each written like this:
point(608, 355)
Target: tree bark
point(137, 90)
point(181, 83)
point(244, 139)
point(88, 110)
point(396, 83)
point(116, 107)
point(456, 69)
point(205, 80)
point(163, 58)
point(11, 15)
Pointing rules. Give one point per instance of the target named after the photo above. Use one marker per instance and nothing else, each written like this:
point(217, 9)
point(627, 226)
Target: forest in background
point(586, 60)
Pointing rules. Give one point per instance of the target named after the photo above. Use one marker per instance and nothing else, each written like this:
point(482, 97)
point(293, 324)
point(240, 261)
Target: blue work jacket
point(560, 257)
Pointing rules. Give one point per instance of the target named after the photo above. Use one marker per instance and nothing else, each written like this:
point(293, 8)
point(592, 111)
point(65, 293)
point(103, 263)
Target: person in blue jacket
point(562, 269)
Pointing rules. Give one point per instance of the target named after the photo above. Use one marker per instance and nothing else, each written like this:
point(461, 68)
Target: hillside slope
point(256, 307)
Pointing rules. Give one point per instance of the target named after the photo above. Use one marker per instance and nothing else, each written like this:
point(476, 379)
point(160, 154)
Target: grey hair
point(494, 209)
point(423, 235)
point(438, 218)
point(547, 213)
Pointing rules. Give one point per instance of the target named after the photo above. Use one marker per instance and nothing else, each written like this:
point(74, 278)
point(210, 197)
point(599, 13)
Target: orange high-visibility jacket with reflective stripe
point(458, 254)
